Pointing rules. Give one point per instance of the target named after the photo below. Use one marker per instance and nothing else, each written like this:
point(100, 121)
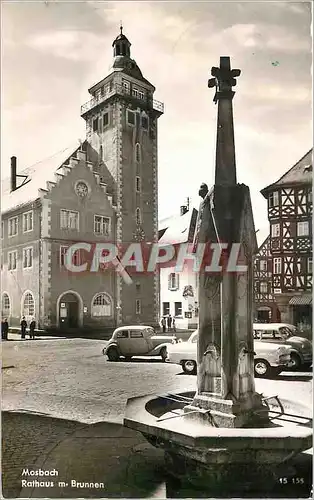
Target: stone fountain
point(226, 435)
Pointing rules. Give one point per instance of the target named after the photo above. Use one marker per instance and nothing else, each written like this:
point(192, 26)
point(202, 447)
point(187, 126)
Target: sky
point(52, 52)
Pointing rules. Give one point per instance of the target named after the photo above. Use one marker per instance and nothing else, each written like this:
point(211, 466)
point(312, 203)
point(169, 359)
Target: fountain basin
point(221, 457)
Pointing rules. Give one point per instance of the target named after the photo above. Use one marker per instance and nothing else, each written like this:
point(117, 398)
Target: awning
point(300, 300)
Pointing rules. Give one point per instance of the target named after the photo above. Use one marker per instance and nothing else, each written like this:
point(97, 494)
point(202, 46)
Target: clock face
point(139, 234)
point(81, 189)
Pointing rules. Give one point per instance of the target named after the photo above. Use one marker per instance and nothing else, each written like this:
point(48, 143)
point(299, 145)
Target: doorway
point(69, 310)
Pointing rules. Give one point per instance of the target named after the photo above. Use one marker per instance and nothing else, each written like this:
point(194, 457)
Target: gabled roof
point(37, 177)
point(300, 173)
point(178, 228)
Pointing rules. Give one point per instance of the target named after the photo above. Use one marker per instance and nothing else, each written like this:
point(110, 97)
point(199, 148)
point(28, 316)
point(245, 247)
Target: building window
point(139, 94)
point(2, 230)
point(138, 306)
point(12, 260)
point(27, 258)
point(263, 265)
point(105, 119)
point(165, 308)
point(95, 124)
point(138, 184)
point(263, 287)
point(101, 153)
point(6, 306)
point(69, 219)
point(137, 153)
point(28, 222)
point(145, 122)
point(131, 117)
point(138, 216)
point(277, 265)
point(303, 228)
point(77, 257)
point(13, 226)
point(28, 305)
point(173, 281)
point(101, 305)
point(310, 265)
point(101, 225)
point(178, 308)
point(275, 230)
point(274, 199)
point(126, 86)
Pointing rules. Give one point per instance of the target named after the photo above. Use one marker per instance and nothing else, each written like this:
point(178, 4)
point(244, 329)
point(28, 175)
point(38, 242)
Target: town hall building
point(103, 190)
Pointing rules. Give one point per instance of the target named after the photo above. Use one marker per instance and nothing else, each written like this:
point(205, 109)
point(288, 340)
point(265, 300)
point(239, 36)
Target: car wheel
point(113, 354)
point(261, 368)
point(295, 362)
point(189, 366)
point(163, 354)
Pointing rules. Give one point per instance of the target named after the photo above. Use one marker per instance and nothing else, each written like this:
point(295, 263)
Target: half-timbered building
point(283, 266)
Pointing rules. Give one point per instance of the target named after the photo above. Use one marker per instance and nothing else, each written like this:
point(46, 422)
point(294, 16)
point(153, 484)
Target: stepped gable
point(44, 176)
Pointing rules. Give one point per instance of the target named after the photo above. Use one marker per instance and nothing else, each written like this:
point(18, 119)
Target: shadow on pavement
point(119, 461)
point(294, 377)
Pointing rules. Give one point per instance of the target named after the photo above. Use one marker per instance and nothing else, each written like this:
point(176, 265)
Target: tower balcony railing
point(120, 90)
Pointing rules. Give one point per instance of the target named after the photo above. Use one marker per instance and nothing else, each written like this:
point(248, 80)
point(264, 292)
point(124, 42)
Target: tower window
point(105, 119)
point(126, 86)
point(118, 50)
point(95, 125)
point(139, 94)
point(138, 216)
point(137, 153)
point(131, 117)
point(145, 122)
point(138, 184)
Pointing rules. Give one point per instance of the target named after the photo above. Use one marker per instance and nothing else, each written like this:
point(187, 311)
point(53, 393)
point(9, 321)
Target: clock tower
point(121, 131)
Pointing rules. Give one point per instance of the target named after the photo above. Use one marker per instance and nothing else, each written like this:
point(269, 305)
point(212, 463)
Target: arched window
point(6, 306)
point(101, 305)
point(101, 153)
point(138, 216)
point(28, 305)
point(137, 152)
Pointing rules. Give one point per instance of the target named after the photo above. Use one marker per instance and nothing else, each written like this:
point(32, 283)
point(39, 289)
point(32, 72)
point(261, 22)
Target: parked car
point(285, 334)
point(138, 340)
point(269, 360)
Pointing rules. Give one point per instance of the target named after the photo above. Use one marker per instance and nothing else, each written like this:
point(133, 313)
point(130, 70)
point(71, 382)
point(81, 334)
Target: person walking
point(4, 329)
point(32, 327)
point(174, 325)
point(23, 328)
point(163, 324)
point(169, 322)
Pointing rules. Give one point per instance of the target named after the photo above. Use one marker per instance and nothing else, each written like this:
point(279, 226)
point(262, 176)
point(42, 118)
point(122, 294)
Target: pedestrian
point(32, 327)
point(174, 325)
point(163, 324)
point(23, 327)
point(169, 322)
point(4, 329)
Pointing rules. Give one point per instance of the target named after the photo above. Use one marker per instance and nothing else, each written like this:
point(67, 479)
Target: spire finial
point(121, 28)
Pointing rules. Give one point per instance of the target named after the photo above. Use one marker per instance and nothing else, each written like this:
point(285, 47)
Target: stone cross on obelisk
point(226, 393)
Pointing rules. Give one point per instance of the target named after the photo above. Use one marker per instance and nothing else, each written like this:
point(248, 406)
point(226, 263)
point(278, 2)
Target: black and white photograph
point(156, 249)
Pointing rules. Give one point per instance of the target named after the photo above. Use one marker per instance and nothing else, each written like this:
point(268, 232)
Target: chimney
point(183, 209)
point(13, 173)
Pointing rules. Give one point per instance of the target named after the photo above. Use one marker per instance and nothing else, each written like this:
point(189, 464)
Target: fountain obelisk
point(225, 377)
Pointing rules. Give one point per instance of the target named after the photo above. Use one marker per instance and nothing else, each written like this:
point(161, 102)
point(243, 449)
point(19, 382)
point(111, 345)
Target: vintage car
point(138, 340)
point(285, 334)
point(269, 360)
